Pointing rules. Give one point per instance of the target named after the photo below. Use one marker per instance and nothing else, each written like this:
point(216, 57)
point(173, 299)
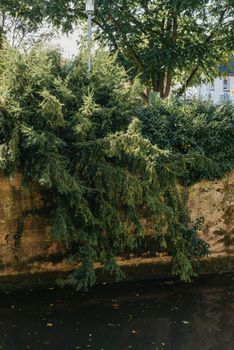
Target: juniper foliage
point(199, 135)
point(77, 136)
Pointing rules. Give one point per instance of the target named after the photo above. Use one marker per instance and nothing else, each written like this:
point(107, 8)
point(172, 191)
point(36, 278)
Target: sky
point(67, 44)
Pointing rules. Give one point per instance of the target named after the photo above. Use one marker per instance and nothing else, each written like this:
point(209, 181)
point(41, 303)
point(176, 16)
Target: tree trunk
point(1, 37)
point(168, 84)
point(188, 82)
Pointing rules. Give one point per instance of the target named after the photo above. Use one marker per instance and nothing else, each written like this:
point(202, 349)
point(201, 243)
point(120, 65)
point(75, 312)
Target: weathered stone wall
point(214, 201)
point(36, 253)
point(25, 243)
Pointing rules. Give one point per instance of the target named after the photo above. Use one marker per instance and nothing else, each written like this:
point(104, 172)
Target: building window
point(211, 87)
point(224, 97)
point(226, 84)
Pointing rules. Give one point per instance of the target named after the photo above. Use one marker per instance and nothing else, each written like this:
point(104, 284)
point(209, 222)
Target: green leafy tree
point(26, 17)
point(22, 24)
point(170, 43)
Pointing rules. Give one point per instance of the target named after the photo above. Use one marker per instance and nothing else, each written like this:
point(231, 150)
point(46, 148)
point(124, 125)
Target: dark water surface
point(145, 315)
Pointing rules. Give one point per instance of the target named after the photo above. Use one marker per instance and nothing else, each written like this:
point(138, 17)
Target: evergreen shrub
point(198, 134)
point(78, 136)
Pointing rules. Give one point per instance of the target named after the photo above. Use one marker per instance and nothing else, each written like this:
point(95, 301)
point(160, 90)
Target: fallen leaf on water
point(185, 322)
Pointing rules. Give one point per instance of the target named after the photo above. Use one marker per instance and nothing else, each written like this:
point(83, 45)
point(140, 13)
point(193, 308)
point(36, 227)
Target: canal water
point(145, 315)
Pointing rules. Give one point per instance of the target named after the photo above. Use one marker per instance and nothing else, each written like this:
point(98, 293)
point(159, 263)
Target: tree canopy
point(170, 43)
point(22, 24)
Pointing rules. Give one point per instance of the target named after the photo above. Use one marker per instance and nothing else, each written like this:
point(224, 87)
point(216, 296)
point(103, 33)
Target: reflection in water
point(146, 315)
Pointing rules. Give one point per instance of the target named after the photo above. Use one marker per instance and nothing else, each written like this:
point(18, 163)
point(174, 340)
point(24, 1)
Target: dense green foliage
point(199, 135)
point(23, 24)
point(17, 18)
point(78, 137)
point(170, 43)
point(75, 135)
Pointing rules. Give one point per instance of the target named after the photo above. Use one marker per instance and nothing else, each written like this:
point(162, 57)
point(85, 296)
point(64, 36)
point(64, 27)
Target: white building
point(222, 88)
